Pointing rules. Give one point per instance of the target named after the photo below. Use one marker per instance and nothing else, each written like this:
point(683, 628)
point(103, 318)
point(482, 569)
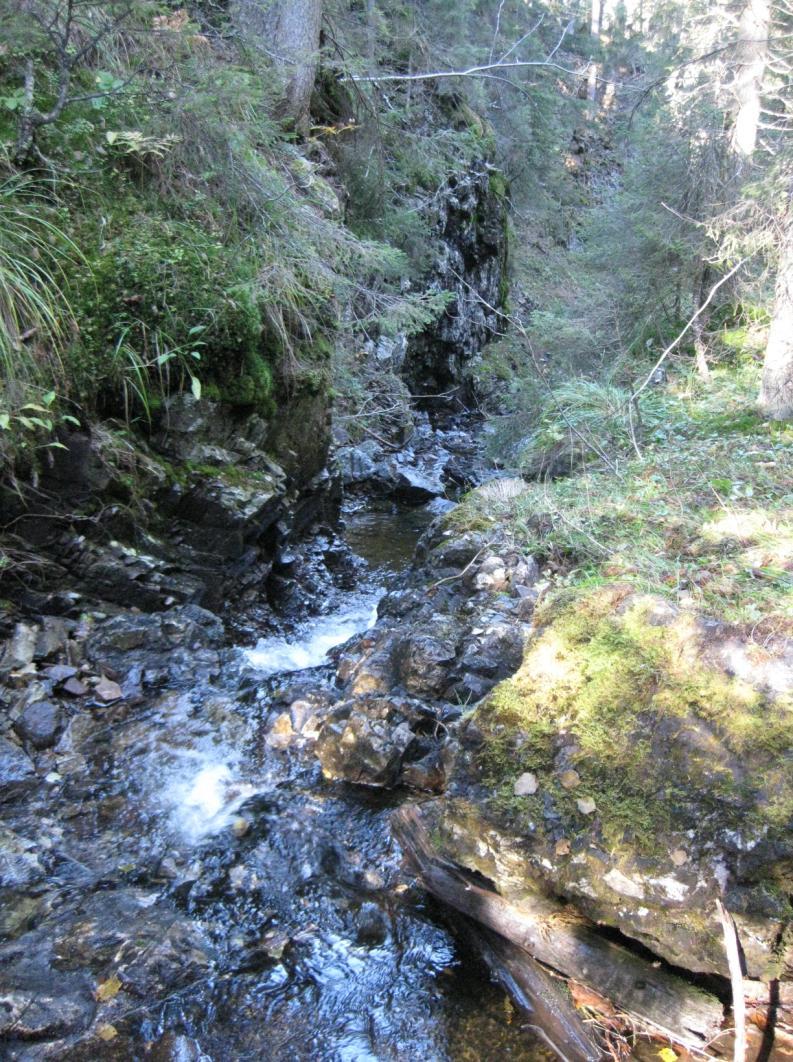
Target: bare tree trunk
point(752, 58)
point(288, 32)
point(776, 392)
point(700, 324)
point(297, 42)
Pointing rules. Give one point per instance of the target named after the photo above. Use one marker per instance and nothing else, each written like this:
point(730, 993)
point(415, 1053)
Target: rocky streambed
point(181, 879)
point(305, 848)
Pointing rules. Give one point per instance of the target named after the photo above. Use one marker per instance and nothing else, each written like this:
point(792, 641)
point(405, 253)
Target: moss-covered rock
point(661, 744)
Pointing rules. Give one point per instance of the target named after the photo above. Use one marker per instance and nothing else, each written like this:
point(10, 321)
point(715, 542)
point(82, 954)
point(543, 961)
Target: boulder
point(41, 723)
point(150, 641)
point(416, 485)
point(659, 778)
point(355, 465)
point(364, 741)
point(370, 740)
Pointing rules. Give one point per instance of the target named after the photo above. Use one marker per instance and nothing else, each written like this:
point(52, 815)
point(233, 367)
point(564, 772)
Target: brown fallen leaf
point(587, 997)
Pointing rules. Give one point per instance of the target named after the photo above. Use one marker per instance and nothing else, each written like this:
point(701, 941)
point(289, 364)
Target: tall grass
point(35, 317)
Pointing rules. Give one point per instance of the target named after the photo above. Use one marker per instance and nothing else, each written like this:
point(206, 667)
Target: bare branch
point(688, 325)
point(470, 72)
point(483, 70)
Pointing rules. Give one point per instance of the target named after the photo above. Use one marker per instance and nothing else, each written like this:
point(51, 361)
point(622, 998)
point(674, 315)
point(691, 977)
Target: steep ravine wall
point(471, 223)
point(203, 505)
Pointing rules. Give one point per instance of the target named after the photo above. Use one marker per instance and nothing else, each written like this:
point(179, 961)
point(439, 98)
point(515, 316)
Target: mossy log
point(567, 942)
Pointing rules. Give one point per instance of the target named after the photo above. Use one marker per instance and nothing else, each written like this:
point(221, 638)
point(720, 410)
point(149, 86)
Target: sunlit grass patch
point(704, 515)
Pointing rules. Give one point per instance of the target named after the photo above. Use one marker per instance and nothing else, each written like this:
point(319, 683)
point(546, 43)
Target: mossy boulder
point(662, 745)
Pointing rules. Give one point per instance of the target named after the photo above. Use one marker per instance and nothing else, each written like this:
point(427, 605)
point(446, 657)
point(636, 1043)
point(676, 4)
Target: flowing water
point(323, 948)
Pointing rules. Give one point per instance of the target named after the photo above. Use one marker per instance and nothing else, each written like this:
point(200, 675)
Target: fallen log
point(553, 1016)
point(564, 940)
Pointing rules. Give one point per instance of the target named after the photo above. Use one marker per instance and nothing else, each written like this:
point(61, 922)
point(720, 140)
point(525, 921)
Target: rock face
point(197, 512)
point(471, 224)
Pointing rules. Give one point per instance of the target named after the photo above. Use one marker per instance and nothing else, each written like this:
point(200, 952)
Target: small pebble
point(586, 805)
point(526, 784)
point(570, 779)
point(75, 687)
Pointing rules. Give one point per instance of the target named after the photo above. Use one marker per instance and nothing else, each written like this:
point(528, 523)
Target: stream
point(282, 920)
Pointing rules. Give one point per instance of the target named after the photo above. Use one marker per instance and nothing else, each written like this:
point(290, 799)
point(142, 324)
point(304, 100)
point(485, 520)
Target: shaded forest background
point(156, 231)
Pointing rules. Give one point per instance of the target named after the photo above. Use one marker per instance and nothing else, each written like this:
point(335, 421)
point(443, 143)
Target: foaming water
point(311, 646)
point(207, 786)
point(206, 801)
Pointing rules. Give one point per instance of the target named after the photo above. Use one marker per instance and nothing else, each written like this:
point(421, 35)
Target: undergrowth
point(704, 512)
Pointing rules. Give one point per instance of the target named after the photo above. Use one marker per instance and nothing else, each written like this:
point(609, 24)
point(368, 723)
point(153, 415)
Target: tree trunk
point(701, 322)
point(288, 32)
point(776, 392)
point(752, 58)
point(297, 44)
point(566, 941)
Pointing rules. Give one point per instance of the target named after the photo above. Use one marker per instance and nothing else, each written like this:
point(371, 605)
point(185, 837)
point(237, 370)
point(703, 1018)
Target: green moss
point(654, 730)
point(163, 302)
point(253, 385)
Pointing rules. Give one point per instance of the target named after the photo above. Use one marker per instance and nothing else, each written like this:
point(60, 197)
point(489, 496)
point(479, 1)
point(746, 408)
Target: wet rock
point(424, 664)
point(281, 733)
point(417, 486)
point(430, 772)
point(489, 655)
point(16, 771)
point(19, 861)
point(20, 650)
point(153, 641)
point(40, 724)
point(275, 943)
point(371, 925)
point(162, 949)
point(453, 553)
point(51, 638)
point(355, 465)
point(42, 1008)
point(124, 633)
point(365, 740)
point(176, 1047)
point(471, 228)
point(375, 671)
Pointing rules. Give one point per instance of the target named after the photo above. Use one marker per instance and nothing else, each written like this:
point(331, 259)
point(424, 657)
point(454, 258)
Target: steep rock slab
point(471, 225)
